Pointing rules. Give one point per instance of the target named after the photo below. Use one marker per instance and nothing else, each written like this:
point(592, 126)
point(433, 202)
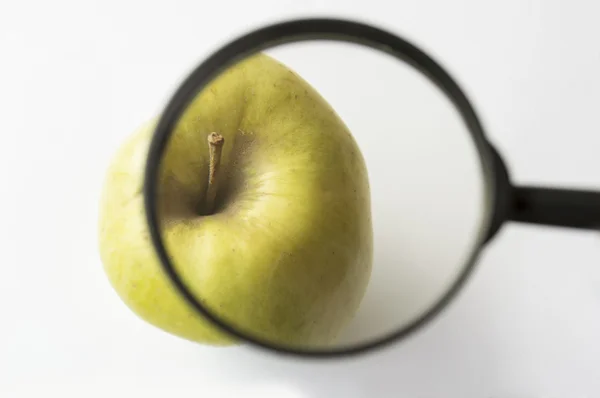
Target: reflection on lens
point(319, 196)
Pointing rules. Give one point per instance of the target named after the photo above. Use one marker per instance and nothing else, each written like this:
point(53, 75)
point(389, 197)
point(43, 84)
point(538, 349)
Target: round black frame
point(579, 209)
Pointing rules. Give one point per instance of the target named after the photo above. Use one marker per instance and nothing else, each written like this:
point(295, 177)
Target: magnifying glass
point(323, 187)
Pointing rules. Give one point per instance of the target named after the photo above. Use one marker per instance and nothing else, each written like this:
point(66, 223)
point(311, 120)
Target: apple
point(265, 210)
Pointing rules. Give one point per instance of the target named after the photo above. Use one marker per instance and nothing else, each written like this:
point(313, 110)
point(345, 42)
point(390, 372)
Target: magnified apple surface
point(317, 195)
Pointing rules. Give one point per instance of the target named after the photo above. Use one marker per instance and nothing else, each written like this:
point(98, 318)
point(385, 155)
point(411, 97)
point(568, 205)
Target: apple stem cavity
point(215, 148)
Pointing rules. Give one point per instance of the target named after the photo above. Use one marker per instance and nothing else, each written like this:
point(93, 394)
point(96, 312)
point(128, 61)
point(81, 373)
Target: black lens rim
point(296, 31)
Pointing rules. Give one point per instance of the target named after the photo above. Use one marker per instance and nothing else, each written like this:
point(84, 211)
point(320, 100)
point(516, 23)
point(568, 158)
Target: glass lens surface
point(319, 196)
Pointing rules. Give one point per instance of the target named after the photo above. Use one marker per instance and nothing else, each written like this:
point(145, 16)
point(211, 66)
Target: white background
point(77, 77)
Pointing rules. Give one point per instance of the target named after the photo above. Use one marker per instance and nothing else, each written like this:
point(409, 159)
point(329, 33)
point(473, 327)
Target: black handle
point(555, 207)
point(540, 205)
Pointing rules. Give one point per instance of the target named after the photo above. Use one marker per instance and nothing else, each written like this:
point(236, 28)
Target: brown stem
point(215, 147)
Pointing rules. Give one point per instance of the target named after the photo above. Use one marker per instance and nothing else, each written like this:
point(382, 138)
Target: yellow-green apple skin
point(286, 254)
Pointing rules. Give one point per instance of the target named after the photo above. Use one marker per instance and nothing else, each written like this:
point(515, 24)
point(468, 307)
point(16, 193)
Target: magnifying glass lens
point(320, 196)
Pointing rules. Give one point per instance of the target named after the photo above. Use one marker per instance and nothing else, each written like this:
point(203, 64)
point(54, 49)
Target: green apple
point(265, 209)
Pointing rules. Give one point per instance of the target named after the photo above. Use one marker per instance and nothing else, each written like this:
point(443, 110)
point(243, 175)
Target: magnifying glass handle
point(556, 207)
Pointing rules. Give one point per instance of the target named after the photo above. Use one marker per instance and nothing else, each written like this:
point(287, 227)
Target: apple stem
point(215, 147)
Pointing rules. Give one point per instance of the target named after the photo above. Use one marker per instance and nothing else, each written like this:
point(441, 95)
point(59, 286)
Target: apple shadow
point(395, 297)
